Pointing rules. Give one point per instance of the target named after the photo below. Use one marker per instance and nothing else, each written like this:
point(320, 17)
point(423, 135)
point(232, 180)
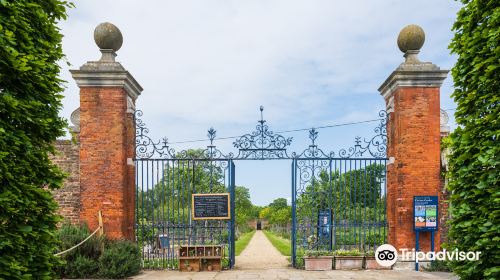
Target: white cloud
point(212, 63)
point(205, 63)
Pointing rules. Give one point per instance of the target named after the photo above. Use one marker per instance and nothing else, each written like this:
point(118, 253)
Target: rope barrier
point(65, 251)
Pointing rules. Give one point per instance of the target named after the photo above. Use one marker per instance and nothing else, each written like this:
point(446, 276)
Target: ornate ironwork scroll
point(146, 148)
point(262, 143)
point(375, 147)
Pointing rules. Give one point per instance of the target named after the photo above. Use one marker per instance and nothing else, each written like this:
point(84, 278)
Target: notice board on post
point(324, 224)
point(211, 206)
point(425, 212)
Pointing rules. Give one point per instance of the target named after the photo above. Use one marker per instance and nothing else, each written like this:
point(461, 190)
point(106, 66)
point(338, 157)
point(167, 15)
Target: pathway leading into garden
point(260, 254)
point(260, 260)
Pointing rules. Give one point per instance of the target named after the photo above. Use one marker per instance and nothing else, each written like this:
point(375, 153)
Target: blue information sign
point(425, 213)
point(324, 224)
point(164, 241)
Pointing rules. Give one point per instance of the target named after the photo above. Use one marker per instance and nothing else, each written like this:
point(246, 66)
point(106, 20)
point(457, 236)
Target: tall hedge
point(475, 144)
point(30, 99)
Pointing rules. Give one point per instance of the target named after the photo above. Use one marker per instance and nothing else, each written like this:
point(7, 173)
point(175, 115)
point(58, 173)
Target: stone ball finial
point(108, 36)
point(411, 38)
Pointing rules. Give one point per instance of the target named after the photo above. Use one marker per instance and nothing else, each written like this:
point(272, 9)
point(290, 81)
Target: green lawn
point(242, 242)
point(281, 244)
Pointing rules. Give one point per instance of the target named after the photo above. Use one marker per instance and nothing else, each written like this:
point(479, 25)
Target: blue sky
point(209, 64)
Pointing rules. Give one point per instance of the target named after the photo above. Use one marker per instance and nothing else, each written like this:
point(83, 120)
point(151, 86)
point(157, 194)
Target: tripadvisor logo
point(387, 255)
point(412, 255)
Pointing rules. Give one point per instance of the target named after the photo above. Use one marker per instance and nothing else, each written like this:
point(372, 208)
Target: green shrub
point(438, 266)
point(342, 252)
point(375, 238)
point(81, 261)
point(370, 253)
point(299, 262)
point(82, 267)
point(30, 101)
point(225, 263)
point(70, 235)
point(222, 238)
point(474, 176)
point(120, 259)
point(318, 253)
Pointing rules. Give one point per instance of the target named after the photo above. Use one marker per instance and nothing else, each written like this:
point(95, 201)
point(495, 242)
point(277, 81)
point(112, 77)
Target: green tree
point(265, 213)
point(243, 206)
point(255, 211)
point(346, 193)
point(282, 216)
point(278, 203)
point(171, 195)
point(30, 99)
point(475, 150)
point(277, 212)
point(242, 200)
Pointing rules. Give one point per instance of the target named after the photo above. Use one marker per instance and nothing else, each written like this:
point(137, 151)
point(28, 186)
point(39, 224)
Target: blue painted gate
point(338, 199)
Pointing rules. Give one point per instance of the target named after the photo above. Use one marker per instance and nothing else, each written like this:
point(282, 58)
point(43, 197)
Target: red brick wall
point(106, 179)
point(130, 183)
point(68, 197)
point(414, 142)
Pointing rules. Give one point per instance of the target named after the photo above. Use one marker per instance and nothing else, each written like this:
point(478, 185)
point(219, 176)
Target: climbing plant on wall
point(30, 99)
point(475, 159)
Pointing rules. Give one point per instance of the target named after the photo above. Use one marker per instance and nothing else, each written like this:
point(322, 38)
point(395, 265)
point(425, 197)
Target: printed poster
point(425, 212)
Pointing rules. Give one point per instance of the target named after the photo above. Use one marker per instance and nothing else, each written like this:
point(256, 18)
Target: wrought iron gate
point(165, 181)
point(338, 200)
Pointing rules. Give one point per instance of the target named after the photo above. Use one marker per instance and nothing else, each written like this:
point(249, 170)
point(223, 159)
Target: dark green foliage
point(278, 204)
point(82, 261)
point(354, 195)
point(82, 267)
point(278, 214)
point(30, 99)
point(243, 209)
point(475, 151)
point(170, 198)
point(70, 235)
point(436, 265)
point(120, 259)
point(173, 191)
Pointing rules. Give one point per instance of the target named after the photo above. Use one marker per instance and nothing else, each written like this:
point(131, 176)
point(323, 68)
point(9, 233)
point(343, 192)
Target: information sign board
point(211, 206)
point(425, 213)
point(324, 223)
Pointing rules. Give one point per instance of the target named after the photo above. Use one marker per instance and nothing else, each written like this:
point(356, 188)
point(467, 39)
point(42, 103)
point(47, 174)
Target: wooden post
point(101, 230)
point(101, 225)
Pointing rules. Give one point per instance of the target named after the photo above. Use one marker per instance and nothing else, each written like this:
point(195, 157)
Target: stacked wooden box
point(201, 258)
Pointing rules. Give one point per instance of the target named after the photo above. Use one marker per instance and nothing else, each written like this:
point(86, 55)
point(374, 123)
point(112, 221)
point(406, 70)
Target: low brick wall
point(68, 197)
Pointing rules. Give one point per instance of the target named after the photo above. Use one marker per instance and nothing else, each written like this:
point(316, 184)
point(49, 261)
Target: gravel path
point(260, 254)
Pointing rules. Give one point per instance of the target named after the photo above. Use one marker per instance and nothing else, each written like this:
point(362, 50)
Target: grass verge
point(243, 241)
point(281, 244)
